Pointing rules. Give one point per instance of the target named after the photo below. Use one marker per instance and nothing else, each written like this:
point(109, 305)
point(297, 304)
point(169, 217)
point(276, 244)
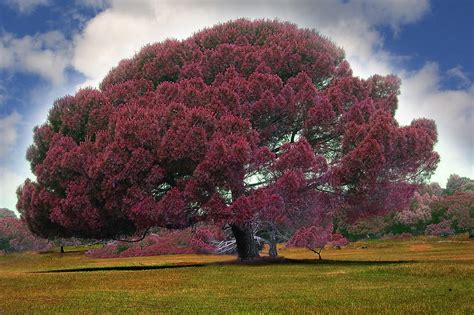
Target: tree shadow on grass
point(66, 253)
point(289, 261)
point(264, 261)
point(348, 262)
point(122, 268)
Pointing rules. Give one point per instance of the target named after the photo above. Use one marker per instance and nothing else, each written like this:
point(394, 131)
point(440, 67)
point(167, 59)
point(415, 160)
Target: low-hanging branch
point(133, 241)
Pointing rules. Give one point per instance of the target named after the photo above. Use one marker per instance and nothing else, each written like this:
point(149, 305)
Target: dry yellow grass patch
point(420, 247)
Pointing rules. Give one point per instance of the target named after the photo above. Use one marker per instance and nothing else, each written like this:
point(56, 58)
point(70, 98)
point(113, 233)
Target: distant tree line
point(432, 211)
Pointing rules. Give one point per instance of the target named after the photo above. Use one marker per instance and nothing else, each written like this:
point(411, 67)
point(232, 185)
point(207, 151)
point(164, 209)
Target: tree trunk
point(62, 249)
point(273, 245)
point(246, 245)
point(273, 250)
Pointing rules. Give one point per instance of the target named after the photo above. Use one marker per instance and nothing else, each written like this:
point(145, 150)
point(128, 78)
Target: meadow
point(417, 276)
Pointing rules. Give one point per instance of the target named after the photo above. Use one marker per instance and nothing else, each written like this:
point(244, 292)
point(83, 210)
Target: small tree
point(315, 238)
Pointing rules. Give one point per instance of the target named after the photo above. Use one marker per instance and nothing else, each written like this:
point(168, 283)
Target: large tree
point(248, 121)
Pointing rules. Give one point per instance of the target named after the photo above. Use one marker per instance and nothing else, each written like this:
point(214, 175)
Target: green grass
point(421, 276)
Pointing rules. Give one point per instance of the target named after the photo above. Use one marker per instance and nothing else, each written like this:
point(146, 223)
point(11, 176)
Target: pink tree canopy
point(244, 121)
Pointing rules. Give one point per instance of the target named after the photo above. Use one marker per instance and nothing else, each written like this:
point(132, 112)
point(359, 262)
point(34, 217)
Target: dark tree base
point(246, 245)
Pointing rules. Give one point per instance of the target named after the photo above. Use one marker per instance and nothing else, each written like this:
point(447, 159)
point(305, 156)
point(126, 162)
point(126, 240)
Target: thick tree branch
point(293, 135)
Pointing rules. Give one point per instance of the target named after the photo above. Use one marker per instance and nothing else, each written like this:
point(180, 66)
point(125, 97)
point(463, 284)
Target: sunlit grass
point(425, 276)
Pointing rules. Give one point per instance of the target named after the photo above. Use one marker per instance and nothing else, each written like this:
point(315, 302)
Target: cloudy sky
point(49, 48)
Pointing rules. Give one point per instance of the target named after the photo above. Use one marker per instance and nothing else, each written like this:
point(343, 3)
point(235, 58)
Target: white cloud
point(392, 12)
point(453, 111)
point(125, 27)
point(9, 181)
point(46, 55)
point(107, 39)
point(26, 6)
point(461, 77)
point(8, 133)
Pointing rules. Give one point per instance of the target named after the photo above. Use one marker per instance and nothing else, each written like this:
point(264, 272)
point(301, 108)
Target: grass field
point(422, 276)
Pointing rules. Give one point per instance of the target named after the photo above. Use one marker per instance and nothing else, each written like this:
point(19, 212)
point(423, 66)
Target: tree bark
point(62, 249)
point(246, 245)
point(273, 245)
point(316, 252)
point(273, 250)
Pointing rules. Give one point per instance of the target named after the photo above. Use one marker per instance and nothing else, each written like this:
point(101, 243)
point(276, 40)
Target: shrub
point(443, 228)
point(166, 242)
point(15, 236)
point(402, 236)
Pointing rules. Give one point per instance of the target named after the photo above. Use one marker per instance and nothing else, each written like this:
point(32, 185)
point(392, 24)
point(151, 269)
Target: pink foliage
point(16, 237)
point(419, 211)
point(168, 242)
point(312, 237)
point(204, 239)
point(460, 209)
point(432, 189)
point(164, 243)
point(338, 240)
point(315, 238)
point(457, 183)
point(441, 229)
point(370, 226)
point(247, 121)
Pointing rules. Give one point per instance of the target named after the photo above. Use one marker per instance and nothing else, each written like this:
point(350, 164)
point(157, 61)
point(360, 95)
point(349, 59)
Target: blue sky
point(445, 34)
point(49, 48)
